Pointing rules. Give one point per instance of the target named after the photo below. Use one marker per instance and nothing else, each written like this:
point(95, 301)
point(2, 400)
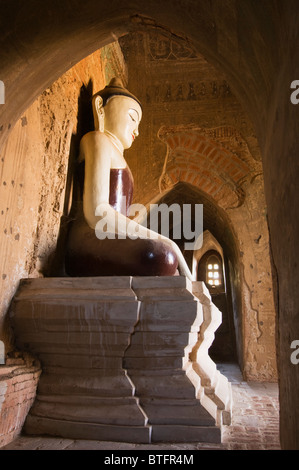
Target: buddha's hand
point(182, 266)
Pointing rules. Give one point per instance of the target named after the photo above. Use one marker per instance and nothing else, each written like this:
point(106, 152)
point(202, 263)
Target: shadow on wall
point(85, 124)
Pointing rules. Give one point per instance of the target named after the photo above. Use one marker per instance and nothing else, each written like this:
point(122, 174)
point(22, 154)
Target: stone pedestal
point(119, 359)
point(214, 390)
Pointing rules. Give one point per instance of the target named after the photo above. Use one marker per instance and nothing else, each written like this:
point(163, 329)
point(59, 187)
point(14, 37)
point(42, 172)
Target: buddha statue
point(121, 246)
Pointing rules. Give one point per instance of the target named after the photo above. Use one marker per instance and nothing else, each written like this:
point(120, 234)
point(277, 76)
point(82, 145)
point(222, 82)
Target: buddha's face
point(122, 116)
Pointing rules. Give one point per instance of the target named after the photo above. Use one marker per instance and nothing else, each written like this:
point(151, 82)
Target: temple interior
point(218, 129)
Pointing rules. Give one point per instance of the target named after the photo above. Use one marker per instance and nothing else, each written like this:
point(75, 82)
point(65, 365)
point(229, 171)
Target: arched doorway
point(228, 339)
point(211, 270)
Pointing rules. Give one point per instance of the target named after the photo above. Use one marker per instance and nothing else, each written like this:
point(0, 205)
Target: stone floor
point(255, 424)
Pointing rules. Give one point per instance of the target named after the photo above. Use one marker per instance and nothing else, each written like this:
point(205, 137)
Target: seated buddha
point(103, 240)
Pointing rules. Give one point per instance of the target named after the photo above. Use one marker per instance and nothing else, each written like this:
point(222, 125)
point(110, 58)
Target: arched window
point(214, 272)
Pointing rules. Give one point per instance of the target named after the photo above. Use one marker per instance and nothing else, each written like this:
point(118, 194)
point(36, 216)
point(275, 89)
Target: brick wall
point(18, 382)
point(202, 162)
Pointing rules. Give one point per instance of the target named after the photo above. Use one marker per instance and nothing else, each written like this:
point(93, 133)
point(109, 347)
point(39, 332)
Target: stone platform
point(123, 359)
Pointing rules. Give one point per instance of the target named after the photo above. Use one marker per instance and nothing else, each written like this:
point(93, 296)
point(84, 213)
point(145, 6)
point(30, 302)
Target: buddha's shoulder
point(95, 138)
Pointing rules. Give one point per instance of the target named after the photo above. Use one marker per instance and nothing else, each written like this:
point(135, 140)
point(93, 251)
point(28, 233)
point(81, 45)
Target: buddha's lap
point(88, 255)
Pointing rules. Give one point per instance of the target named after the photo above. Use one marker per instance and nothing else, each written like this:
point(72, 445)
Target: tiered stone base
point(116, 356)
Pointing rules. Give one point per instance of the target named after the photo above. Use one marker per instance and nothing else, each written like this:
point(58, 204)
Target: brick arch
point(199, 159)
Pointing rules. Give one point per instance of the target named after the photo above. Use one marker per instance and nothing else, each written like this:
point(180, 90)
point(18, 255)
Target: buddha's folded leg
point(89, 256)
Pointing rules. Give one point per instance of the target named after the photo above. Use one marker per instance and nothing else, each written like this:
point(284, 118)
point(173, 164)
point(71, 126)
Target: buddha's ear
point(98, 111)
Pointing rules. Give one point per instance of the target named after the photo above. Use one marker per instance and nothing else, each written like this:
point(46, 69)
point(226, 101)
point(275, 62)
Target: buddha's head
point(118, 112)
